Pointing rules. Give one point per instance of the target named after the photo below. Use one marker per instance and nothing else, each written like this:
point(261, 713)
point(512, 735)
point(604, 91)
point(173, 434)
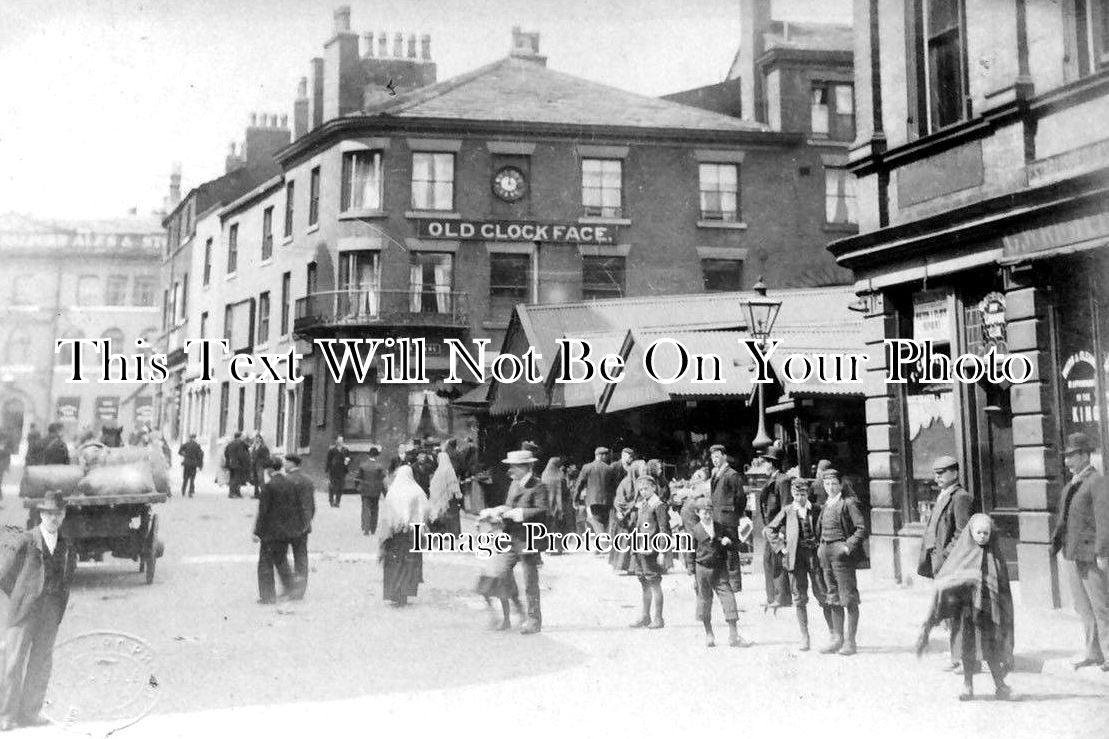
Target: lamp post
point(761, 314)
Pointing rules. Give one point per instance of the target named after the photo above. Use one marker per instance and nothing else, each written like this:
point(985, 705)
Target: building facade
point(88, 280)
point(981, 161)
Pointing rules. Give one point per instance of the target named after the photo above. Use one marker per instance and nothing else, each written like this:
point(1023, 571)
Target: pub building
point(982, 204)
point(409, 207)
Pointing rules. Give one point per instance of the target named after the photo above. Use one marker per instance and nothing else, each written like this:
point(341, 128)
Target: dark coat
point(650, 519)
point(729, 500)
point(236, 455)
point(35, 447)
point(55, 452)
point(787, 519)
point(280, 515)
point(532, 498)
point(337, 462)
point(1082, 533)
point(854, 527)
point(260, 455)
point(191, 454)
point(306, 494)
point(949, 519)
point(22, 574)
point(594, 479)
point(371, 478)
point(775, 496)
point(709, 550)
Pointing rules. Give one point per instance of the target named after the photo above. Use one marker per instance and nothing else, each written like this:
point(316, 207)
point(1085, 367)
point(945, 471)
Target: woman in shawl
point(563, 516)
point(622, 515)
point(445, 498)
point(405, 505)
point(973, 585)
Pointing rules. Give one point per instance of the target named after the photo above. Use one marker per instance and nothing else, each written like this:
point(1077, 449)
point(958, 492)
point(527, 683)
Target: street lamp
point(761, 314)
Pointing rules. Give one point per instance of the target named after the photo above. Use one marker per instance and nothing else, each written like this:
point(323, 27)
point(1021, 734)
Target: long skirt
point(496, 579)
point(403, 568)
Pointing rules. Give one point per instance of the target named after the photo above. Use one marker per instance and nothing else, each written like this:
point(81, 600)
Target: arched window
point(19, 346)
point(116, 337)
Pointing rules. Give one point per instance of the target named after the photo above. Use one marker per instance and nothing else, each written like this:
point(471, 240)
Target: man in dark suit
point(593, 480)
point(35, 447)
point(259, 462)
point(793, 533)
point(842, 534)
point(1082, 535)
point(337, 464)
point(55, 451)
point(527, 502)
point(278, 524)
point(36, 578)
point(192, 459)
point(371, 486)
point(236, 457)
point(775, 496)
point(953, 508)
point(729, 502)
point(306, 496)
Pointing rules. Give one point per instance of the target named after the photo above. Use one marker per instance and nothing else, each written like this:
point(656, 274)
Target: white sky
point(99, 97)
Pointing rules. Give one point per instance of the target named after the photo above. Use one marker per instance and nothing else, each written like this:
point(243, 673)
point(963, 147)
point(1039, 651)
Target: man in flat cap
point(953, 508)
point(593, 487)
point(842, 550)
point(729, 502)
point(36, 577)
point(1082, 535)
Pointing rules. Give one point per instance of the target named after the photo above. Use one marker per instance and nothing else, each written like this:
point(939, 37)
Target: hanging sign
point(69, 406)
point(931, 317)
point(107, 407)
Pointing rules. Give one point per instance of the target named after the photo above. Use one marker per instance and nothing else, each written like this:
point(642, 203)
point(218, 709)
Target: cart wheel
point(149, 557)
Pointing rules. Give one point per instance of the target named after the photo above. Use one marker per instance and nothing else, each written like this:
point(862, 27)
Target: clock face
point(509, 184)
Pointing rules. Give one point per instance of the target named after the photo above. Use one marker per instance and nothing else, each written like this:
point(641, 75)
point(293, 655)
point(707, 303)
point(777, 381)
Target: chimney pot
point(398, 45)
point(412, 46)
point(369, 38)
point(383, 45)
point(425, 47)
point(342, 19)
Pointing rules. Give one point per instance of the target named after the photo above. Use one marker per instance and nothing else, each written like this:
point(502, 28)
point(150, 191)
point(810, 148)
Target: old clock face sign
point(509, 184)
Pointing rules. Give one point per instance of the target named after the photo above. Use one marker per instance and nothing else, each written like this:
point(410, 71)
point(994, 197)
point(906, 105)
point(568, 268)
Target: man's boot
point(656, 620)
point(837, 632)
point(535, 619)
point(803, 623)
point(849, 647)
point(828, 618)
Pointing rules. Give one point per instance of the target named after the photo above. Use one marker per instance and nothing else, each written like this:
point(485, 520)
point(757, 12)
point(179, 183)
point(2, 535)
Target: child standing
point(650, 516)
point(973, 586)
point(497, 580)
point(710, 572)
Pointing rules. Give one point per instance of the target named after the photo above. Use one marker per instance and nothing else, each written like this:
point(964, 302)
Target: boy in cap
point(36, 579)
point(709, 568)
point(842, 535)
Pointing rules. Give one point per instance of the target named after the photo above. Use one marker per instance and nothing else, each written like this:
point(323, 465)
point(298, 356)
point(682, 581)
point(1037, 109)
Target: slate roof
point(522, 91)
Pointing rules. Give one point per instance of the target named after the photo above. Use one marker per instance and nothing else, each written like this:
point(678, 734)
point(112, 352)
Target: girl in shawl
point(445, 498)
point(622, 514)
point(405, 505)
point(563, 516)
point(496, 579)
point(973, 585)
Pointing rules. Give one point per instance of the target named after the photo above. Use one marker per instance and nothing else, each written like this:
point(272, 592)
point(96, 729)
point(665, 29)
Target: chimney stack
point(233, 160)
point(300, 109)
point(383, 45)
point(425, 47)
point(174, 186)
point(526, 46)
point(398, 46)
point(411, 46)
point(342, 19)
point(315, 103)
point(369, 38)
point(754, 20)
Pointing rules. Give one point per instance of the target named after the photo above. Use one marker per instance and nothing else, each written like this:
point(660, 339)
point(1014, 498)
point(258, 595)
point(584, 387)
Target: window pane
point(602, 277)
point(820, 109)
point(722, 274)
point(845, 99)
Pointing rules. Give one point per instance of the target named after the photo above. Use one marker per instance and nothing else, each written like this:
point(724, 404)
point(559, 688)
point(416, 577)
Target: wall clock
point(509, 184)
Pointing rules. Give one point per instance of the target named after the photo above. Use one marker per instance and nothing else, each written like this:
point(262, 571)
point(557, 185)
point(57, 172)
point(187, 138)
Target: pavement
point(343, 658)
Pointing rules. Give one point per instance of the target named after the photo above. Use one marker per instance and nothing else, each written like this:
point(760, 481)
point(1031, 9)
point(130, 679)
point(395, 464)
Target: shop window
point(289, 192)
point(719, 192)
point(361, 399)
point(832, 112)
point(510, 278)
point(116, 292)
point(267, 233)
point(232, 248)
point(89, 291)
point(942, 59)
point(314, 197)
point(839, 196)
point(362, 180)
point(429, 283)
point(602, 277)
point(432, 181)
point(722, 275)
point(1082, 331)
point(429, 414)
point(602, 187)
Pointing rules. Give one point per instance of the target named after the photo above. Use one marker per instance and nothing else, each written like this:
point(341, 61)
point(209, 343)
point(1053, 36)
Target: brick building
point(408, 207)
point(981, 159)
point(95, 279)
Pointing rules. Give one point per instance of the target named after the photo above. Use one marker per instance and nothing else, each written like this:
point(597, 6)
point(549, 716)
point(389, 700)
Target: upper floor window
point(314, 197)
point(722, 275)
point(19, 346)
point(719, 192)
point(289, 190)
point(430, 282)
point(432, 181)
point(286, 300)
point(264, 317)
point(232, 248)
point(602, 182)
point(839, 196)
point(833, 110)
point(116, 339)
point(362, 180)
point(267, 233)
point(88, 290)
point(943, 58)
point(509, 281)
point(1090, 22)
point(204, 325)
point(23, 292)
point(116, 292)
point(146, 291)
point(602, 277)
point(207, 261)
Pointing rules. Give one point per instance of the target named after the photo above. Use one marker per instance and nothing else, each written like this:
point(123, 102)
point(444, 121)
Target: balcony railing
point(371, 307)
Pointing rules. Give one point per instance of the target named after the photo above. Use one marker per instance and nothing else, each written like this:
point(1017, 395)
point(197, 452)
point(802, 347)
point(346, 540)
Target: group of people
point(246, 462)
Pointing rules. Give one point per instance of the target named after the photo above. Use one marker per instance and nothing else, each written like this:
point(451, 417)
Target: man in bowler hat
point(1082, 535)
point(526, 503)
point(36, 577)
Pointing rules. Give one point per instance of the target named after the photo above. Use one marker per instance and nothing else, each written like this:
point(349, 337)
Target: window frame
point(262, 332)
point(721, 215)
point(736, 263)
point(85, 295)
point(348, 189)
point(602, 210)
point(290, 192)
point(314, 197)
point(927, 99)
point(600, 290)
point(432, 199)
point(232, 248)
point(848, 194)
point(267, 234)
point(119, 295)
point(286, 301)
point(207, 274)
